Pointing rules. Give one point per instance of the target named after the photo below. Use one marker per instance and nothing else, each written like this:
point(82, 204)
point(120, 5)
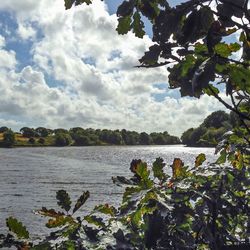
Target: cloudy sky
point(70, 68)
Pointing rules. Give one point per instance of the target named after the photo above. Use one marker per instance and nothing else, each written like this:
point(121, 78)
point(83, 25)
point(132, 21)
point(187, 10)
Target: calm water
point(30, 177)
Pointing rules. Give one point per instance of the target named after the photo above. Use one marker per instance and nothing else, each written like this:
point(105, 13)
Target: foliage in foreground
point(163, 207)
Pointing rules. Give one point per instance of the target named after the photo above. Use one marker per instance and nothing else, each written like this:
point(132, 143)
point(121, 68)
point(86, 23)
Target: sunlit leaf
point(222, 158)
point(92, 219)
point(106, 209)
point(17, 228)
point(138, 25)
point(200, 159)
point(211, 90)
point(124, 25)
point(178, 168)
point(143, 172)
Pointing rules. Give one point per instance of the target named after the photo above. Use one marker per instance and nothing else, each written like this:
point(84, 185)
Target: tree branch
point(243, 116)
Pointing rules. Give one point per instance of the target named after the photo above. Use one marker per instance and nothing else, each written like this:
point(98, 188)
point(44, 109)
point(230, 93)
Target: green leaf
point(63, 200)
point(17, 228)
point(69, 245)
point(92, 219)
point(138, 25)
point(222, 49)
point(187, 64)
point(106, 209)
point(234, 47)
point(59, 221)
point(124, 25)
point(143, 172)
point(200, 48)
point(200, 159)
point(81, 200)
point(209, 92)
point(222, 158)
point(158, 166)
point(225, 50)
point(137, 216)
point(239, 77)
point(42, 246)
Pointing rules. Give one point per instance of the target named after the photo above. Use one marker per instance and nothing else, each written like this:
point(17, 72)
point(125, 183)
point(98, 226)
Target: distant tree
point(216, 119)
point(62, 139)
point(186, 136)
point(42, 132)
point(82, 140)
point(76, 131)
point(116, 138)
point(28, 132)
point(3, 129)
point(60, 131)
point(130, 137)
point(145, 139)
point(9, 138)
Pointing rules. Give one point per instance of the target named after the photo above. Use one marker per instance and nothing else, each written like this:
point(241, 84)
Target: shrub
point(41, 140)
point(9, 138)
point(32, 140)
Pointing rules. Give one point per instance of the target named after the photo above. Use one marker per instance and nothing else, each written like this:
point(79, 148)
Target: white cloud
point(83, 74)
point(8, 59)
point(2, 42)
point(26, 31)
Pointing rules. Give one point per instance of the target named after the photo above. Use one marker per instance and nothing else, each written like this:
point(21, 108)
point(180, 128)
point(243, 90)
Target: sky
point(70, 68)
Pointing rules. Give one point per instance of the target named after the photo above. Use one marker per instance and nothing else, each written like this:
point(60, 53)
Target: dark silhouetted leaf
point(82, 199)
point(68, 4)
point(126, 8)
point(63, 200)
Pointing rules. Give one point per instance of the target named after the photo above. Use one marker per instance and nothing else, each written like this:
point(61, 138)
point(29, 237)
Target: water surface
point(30, 177)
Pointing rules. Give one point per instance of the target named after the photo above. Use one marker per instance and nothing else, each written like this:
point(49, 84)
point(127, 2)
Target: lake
point(30, 177)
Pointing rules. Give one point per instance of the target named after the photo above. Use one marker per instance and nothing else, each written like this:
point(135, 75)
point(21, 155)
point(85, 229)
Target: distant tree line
point(78, 136)
point(208, 134)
